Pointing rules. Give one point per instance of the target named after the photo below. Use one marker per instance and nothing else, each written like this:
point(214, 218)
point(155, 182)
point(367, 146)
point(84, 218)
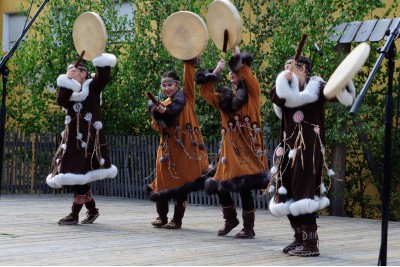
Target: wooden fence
point(27, 162)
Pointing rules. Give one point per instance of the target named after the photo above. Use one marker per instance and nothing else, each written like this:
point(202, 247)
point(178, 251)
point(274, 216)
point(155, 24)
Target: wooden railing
point(27, 162)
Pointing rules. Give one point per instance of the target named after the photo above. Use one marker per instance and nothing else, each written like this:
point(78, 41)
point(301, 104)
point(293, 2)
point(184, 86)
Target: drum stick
point(226, 36)
point(79, 59)
point(153, 99)
point(299, 50)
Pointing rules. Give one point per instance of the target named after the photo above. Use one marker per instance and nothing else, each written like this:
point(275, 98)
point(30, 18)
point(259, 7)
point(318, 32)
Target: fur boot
point(297, 238)
point(309, 248)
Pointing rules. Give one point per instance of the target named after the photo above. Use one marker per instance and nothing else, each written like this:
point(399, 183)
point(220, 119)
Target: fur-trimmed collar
point(230, 103)
point(166, 119)
point(290, 90)
point(81, 96)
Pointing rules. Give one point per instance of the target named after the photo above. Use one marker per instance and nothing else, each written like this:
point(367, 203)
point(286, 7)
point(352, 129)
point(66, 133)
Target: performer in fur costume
point(182, 160)
point(82, 156)
point(242, 162)
point(299, 160)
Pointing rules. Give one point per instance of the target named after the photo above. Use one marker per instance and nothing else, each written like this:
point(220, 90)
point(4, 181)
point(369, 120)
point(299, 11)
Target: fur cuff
point(206, 76)
point(166, 119)
point(236, 62)
point(347, 94)
point(72, 84)
point(105, 60)
point(290, 91)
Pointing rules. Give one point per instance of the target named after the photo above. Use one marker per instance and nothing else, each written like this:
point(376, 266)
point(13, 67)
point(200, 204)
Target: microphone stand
point(4, 71)
point(388, 51)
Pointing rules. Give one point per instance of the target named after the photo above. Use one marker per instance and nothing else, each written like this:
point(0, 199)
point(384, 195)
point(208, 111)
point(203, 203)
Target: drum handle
point(299, 50)
point(79, 59)
point(225, 41)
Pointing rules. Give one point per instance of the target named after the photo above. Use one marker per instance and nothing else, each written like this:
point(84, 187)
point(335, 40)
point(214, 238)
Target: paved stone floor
point(122, 235)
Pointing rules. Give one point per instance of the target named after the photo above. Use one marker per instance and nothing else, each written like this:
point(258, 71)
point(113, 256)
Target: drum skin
point(222, 15)
point(184, 35)
point(346, 71)
point(89, 34)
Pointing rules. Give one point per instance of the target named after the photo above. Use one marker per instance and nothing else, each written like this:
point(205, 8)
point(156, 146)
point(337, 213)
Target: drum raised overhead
point(222, 15)
point(346, 71)
point(184, 35)
point(89, 35)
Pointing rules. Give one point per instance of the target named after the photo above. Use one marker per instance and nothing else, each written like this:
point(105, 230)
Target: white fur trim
point(347, 94)
point(72, 84)
point(278, 111)
point(291, 92)
point(279, 209)
point(73, 179)
point(81, 96)
point(307, 205)
point(105, 60)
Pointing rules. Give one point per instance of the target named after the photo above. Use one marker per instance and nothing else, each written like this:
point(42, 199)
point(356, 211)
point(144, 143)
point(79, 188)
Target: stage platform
point(122, 235)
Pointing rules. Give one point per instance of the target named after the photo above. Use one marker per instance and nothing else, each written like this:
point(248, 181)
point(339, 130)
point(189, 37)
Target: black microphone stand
point(388, 51)
point(4, 72)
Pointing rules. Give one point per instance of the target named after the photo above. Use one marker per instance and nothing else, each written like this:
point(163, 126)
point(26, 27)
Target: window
point(125, 9)
point(13, 25)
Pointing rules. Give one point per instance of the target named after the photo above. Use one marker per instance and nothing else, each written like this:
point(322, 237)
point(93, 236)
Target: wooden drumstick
point(299, 50)
point(226, 36)
point(79, 59)
point(153, 99)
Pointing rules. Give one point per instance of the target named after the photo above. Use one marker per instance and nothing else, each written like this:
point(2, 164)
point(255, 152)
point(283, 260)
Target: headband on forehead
point(80, 67)
point(169, 81)
point(290, 61)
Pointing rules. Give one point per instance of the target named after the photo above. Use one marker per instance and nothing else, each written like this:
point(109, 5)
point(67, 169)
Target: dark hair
point(304, 61)
point(171, 74)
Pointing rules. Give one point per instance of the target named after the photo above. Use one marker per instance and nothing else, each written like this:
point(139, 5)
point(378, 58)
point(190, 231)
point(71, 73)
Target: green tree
point(272, 31)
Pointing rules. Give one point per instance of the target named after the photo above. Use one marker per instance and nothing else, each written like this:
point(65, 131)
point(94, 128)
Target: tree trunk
point(336, 191)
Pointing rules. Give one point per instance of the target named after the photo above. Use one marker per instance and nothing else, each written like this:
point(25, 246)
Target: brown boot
point(297, 238)
point(231, 220)
point(162, 210)
point(92, 215)
point(248, 223)
point(309, 248)
point(179, 211)
point(73, 217)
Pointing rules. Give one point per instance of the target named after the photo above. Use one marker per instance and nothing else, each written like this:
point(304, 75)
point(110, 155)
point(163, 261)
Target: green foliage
point(272, 31)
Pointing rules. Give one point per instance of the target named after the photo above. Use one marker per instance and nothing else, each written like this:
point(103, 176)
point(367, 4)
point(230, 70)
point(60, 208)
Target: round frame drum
point(184, 35)
point(89, 35)
point(346, 71)
point(222, 15)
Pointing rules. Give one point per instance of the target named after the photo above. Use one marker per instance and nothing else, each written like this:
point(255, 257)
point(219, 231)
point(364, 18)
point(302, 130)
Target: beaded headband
point(71, 66)
point(169, 81)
